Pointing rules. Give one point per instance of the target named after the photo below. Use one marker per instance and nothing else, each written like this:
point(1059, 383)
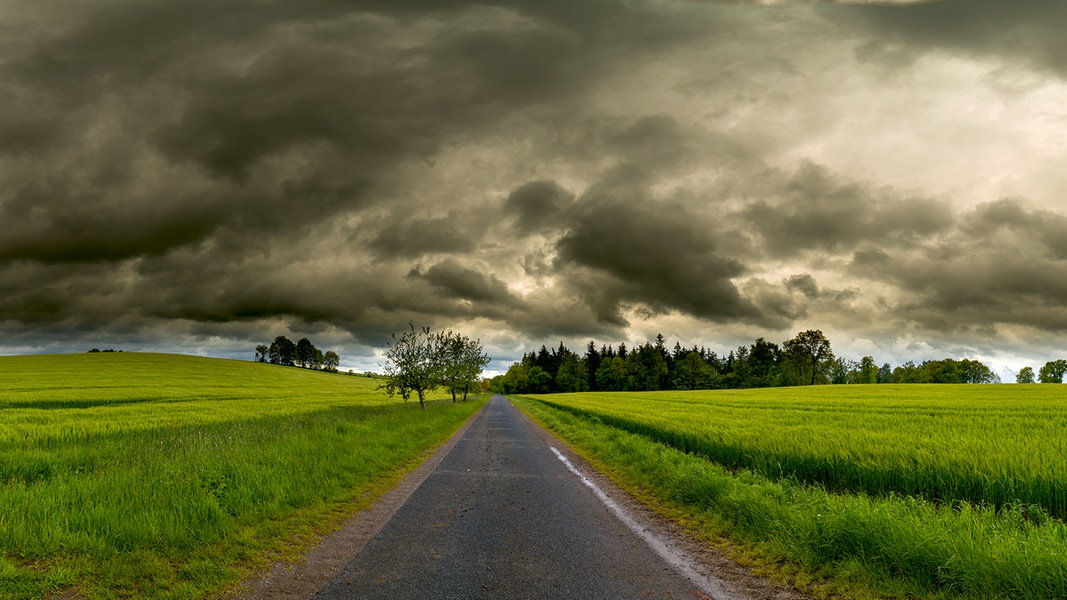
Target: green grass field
point(931, 491)
point(144, 475)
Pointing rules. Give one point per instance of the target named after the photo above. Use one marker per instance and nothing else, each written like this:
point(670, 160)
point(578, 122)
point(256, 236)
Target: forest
point(806, 359)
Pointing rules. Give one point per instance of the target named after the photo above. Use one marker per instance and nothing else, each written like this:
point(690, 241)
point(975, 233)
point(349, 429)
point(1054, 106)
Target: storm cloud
point(200, 177)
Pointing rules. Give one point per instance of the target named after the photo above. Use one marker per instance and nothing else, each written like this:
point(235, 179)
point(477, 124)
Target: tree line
point(303, 353)
point(1051, 372)
point(805, 359)
point(420, 360)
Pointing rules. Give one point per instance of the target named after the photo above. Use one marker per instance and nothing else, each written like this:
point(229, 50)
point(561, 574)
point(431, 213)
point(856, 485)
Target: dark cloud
point(29, 135)
point(537, 204)
point(458, 231)
point(654, 254)
point(984, 290)
point(653, 141)
point(213, 171)
point(988, 28)
point(817, 210)
point(999, 264)
point(49, 222)
point(517, 67)
point(868, 259)
point(1010, 218)
point(804, 284)
point(458, 281)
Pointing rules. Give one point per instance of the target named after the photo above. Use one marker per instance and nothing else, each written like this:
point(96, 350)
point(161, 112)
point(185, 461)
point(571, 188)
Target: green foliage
point(413, 364)
point(692, 372)
point(330, 361)
point(307, 355)
point(831, 479)
point(647, 368)
point(1053, 371)
point(304, 354)
point(944, 371)
point(807, 359)
point(419, 361)
point(143, 475)
point(1026, 375)
point(613, 374)
point(572, 376)
point(282, 351)
point(462, 361)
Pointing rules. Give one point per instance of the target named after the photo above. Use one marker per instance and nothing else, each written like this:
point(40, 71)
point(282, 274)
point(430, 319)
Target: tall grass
point(884, 543)
point(996, 445)
point(133, 475)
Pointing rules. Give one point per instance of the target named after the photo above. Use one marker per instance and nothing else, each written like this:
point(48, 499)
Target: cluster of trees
point(419, 360)
point(806, 359)
point(944, 371)
point(1051, 372)
point(304, 354)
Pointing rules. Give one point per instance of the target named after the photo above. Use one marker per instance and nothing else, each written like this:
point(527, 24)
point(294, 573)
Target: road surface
point(503, 517)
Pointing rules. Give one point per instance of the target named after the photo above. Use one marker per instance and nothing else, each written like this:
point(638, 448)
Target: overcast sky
point(200, 176)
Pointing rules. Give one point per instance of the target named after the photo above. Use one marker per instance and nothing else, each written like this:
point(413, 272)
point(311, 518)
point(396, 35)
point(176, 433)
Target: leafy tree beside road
point(419, 360)
point(462, 360)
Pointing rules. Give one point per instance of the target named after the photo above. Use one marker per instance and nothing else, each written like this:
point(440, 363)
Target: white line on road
point(717, 589)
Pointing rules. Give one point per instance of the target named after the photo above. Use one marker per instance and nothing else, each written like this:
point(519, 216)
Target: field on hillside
point(930, 490)
point(143, 475)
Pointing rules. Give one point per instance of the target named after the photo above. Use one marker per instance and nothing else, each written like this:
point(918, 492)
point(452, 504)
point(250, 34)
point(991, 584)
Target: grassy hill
point(152, 475)
point(93, 379)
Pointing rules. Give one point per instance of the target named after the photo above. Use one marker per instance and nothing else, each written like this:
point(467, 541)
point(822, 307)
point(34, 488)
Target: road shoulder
point(708, 561)
point(303, 578)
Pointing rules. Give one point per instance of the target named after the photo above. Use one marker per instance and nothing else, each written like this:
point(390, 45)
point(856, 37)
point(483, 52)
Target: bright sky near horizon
point(200, 177)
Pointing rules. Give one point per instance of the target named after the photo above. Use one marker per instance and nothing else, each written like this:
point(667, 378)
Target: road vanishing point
point(505, 514)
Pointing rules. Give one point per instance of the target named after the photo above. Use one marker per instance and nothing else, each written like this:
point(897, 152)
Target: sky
point(199, 177)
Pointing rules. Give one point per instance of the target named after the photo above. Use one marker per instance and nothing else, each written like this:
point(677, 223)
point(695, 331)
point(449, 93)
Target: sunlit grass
point(982, 444)
point(139, 475)
point(934, 491)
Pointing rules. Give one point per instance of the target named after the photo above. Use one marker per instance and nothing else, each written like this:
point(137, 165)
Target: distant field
point(144, 475)
point(931, 490)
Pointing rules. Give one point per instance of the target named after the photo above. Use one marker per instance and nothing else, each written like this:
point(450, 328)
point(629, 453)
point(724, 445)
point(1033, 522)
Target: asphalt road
point(502, 517)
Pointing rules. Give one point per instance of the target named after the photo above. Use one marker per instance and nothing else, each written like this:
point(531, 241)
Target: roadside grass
point(139, 475)
point(840, 538)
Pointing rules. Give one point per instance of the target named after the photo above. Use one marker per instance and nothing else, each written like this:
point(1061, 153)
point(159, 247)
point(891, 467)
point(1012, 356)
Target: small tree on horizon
point(1026, 375)
point(810, 356)
point(1053, 371)
point(330, 361)
point(282, 351)
point(305, 353)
